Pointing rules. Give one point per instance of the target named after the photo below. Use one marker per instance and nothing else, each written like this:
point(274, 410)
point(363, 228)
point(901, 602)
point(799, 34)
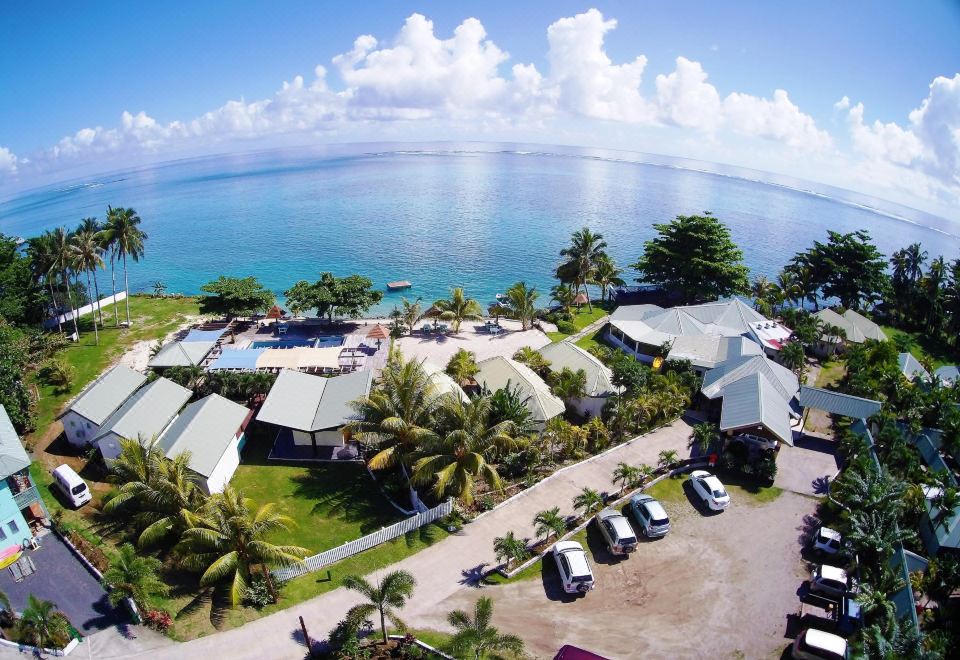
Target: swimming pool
point(323, 341)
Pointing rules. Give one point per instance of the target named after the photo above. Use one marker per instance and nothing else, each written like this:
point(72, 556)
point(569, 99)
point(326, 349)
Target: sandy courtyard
point(718, 586)
point(471, 337)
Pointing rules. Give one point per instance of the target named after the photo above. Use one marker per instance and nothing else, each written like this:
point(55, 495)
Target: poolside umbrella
point(275, 312)
point(379, 333)
point(581, 299)
point(432, 313)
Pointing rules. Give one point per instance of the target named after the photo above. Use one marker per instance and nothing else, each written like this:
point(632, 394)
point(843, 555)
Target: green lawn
point(671, 490)
point(581, 319)
point(924, 346)
point(831, 373)
point(152, 318)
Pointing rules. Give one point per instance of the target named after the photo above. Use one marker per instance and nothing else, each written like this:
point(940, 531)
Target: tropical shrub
point(159, 620)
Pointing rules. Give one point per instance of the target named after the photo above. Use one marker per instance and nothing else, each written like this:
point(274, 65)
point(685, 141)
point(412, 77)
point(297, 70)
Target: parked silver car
point(617, 532)
point(651, 518)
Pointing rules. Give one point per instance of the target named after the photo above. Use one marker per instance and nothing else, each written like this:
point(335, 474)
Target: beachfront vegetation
point(581, 259)
point(521, 302)
point(462, 366)
point(235, 296)
point(695, 256)
point(606, 274)
point(848, 267)
point(331, 296)
point(122, 237)
point(457, 308)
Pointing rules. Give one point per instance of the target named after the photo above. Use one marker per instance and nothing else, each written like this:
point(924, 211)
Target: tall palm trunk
point(73, 312)
point(587, 294)
point(96, 332)
point(126, 288)
point(56, 308)
point(96, 288)
point(113, 275)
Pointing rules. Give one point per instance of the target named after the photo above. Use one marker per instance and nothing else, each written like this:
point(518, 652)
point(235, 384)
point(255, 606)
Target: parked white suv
point(755, 441)
point(710, 490)
point(575, 573)
point(650, 516)
point(827, 541)
point(617, 532)
point(813, 644)
point(832, 581)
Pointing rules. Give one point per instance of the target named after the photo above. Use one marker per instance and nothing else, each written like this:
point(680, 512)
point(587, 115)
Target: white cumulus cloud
point(8, 161)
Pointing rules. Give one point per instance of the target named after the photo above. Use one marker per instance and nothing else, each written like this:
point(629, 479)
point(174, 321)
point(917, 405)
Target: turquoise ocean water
point(442, 215)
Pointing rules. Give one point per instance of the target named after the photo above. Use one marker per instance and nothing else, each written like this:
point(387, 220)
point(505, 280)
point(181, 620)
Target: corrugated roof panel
point(148, 412)
point(838, 403)
point(293, 400)
point(495, 372)
point(567, 354)
point(754, 401)
point(911, 367)
point(335, 410)
point(103, 396)
point(205, 429)
point(13, 457)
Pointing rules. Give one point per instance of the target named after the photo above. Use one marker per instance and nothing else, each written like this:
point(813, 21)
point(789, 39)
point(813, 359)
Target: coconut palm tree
point(874, 534)
point(462, 366)
point(533, 359)
point(40, 249)
point(63, 265)
point(874, 596)
point(398, 415)
point(42, 624)
point(666, 458)
point(915, 256)
point(475, 636)
point(626, 474)
point(589, 500)
point(410, 312)
point(126, 239)
point(388, 596)
point(454, 460)
point(521, 300)
point(569, 384)
point(458, 308)
point(132, 575)
point(586, 250)
point(703, 436)
point(510, 548)
point(564, 296)
point(787, 283)
point(87, 259)
point(228, 540)
point(606, 275)
point(549, 522)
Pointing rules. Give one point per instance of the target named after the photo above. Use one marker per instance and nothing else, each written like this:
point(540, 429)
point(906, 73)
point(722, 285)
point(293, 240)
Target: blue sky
point(66, 67)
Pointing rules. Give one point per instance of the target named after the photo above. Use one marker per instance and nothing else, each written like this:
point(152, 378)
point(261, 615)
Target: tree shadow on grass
point(345, 492)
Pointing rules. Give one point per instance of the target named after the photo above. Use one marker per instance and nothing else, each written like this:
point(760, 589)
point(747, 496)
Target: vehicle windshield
point(660, 521)
point(719, 493)
point(78, 489)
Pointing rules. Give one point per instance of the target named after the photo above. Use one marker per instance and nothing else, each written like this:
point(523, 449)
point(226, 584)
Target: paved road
point(440, 570)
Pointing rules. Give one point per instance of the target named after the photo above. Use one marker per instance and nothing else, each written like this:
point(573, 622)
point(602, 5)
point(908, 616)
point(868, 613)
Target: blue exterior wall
point(10, 513)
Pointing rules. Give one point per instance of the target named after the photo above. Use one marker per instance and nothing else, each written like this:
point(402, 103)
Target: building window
point(72, 423)
point(3, 535)
point(14, 527)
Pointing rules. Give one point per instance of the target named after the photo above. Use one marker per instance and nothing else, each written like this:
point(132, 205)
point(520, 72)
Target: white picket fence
point(316, 562)
point(86, 309)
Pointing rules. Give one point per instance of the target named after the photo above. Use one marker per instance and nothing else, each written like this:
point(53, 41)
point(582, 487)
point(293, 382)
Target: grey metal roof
point(205, 428)
point(181, 354)
point(754, 401)
point(204, 335)
point(707, 351)
point(13, 457)
point(911, 367)
point(948, 374)
point(311, 403)
point(838, 403)
point(102, 397)
point(869, 329)
point(567, 354)
point(732, 370)
point(148, 412)
point(495, 372)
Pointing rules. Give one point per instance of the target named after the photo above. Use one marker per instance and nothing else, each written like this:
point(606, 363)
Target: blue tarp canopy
point(244, 358)
point(203, 335)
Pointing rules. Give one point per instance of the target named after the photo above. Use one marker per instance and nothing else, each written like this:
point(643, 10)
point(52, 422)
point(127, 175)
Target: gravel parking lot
point(719, 585)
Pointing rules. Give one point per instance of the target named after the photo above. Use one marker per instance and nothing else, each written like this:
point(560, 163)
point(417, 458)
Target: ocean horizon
point(480, 216)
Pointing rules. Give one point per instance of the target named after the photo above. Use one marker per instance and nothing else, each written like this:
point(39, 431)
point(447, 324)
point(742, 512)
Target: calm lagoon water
point(482, 216)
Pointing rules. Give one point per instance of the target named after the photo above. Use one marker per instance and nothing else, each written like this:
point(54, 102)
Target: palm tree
point(666, 458)
point(874, 534)
point(588, 500)
point(40, 249)
point(569, 384)
point(533, 359)
point(703, 436)
point(582, 256)
point(458, 308)
point(126, 238)
point(626, 474)
point(510, 548)
point(761, 290)
point(452, 462)
point(787, 283)
point(522, 303)
point(228, 539)
point(793, 357)
point(132, 575)
point(477, 635)
point(914, 256)
point(63, 264)
point(86, 258)
point(605, 275)
point(410, 312)
point(549, 522)
point(947, 502)
point(874, 596)
point(389, 595)
point(564, 296)
point(398, 414)
point(462, 366)
point(42, 624)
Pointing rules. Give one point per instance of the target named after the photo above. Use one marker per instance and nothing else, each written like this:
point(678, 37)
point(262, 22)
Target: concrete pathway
point(441, 570)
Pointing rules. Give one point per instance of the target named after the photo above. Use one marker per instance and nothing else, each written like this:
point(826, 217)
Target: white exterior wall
point(109, 447)
point(629, 347)
point(301, 438)
point(589, 406)
point(78, 429)
point(332, 438)
point(224, 470)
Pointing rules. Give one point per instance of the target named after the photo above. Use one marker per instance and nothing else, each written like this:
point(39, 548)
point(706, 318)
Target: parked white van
point(72, 486)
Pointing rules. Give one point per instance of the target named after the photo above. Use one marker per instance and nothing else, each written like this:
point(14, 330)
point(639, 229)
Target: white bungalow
point(599, 377)
point(97, 402)
point(497, 372)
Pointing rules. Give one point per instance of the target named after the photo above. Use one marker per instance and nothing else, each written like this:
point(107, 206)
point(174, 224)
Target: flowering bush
point(158, 620)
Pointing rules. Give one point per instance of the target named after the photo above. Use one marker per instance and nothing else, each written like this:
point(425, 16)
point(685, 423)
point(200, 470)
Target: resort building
point(143, 416)
point(498, 372)
point(694, 332)
point(191, 351)
point(212, 430)
point(97, 402)
point(443, 383)
point(939, 529)
point(911, 368)
point(21, 509)
point(565, 354)
point(858, 328)
point(755, 395)
point(312, 413)
point(948, 375)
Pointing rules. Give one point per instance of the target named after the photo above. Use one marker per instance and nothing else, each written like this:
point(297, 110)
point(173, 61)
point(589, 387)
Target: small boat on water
point(500, 296)
point(398, 285)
